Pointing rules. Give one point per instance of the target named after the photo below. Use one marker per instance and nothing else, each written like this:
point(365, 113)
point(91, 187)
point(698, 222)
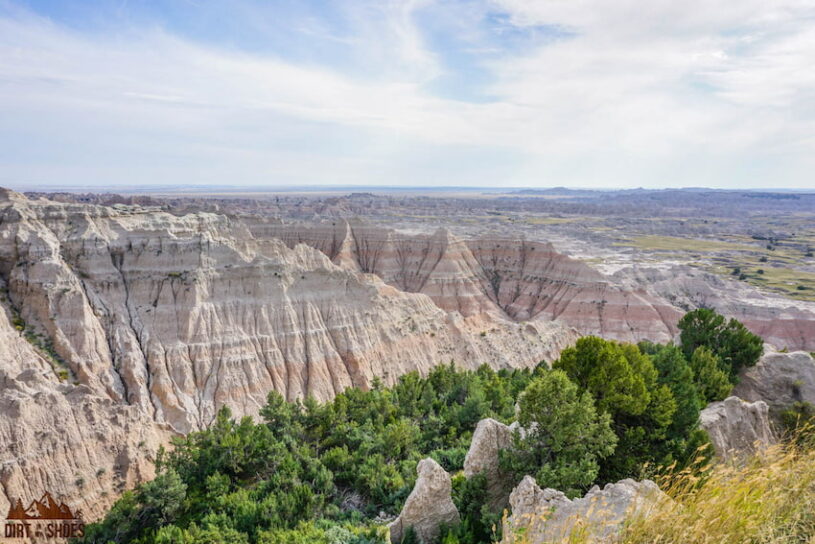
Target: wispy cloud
point(599, 93)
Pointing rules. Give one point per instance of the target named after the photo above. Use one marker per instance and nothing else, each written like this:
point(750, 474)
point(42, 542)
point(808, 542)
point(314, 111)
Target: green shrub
point(566, 436)
point(736, 347)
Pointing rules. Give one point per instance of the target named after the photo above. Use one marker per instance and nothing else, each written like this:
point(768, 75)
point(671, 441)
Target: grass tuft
point(769, 499)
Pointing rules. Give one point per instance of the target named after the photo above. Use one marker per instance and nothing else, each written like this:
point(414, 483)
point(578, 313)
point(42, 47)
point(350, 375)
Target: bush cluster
point(325, 473)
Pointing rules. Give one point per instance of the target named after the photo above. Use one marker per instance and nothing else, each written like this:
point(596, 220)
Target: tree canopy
point(306, 472)
point(564, 436)
point(730, 341)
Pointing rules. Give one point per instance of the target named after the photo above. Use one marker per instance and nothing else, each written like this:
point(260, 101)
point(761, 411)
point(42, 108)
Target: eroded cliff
point(513, 279)
point(131, 323)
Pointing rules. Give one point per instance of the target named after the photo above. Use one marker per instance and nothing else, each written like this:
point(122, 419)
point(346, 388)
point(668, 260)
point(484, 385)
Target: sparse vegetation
point(18, 322)
point(308, 472)
point(768, 500)
point(45, 347)
point(42, 344)
point(799, 421)
point(671, 243)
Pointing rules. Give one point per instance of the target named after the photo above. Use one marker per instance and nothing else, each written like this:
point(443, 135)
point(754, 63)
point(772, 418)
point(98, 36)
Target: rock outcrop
point(159, 320)
point(428, 507)
point(530, 280)
point(516, 279)
point(780, 380)
point(181, 315)
point(489, 438)
point(547, 515)
point(737, 427)
point(779, 320)
point(82, 447)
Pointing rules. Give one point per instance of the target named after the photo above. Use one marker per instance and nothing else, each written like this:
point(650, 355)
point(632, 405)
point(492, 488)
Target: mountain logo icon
point(45, 508)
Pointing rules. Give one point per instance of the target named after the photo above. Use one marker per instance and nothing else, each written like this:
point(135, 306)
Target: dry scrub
point(768, 500)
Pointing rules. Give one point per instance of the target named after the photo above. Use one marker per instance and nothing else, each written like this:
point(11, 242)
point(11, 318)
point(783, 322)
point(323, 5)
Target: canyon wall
point(515, 279)
point(123, 325)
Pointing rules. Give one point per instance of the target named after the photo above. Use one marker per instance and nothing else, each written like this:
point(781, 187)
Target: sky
point(492, 93)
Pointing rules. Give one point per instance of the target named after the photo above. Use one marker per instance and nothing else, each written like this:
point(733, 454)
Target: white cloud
point(657, 93)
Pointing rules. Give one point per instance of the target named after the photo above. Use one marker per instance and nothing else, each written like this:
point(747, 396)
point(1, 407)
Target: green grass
point(552, 220)
point(781, 273)
point(785, 280)
point(672, 243)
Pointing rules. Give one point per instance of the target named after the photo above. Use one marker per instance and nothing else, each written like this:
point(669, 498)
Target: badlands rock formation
point(154, 321)
point(489, 438)
point(64, 438)
point(524, 281)
point(737, 427)
point(780, 380)
point(780, 321)
point(428, 506)
point(547, 515)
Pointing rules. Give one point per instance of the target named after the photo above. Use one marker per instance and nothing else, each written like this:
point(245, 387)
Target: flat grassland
point(779, 267)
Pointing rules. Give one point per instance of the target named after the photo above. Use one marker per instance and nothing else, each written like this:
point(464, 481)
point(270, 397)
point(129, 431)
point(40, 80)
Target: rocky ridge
point(516, 279)
point(547, 515)
point(136, 315)
point(780, 321)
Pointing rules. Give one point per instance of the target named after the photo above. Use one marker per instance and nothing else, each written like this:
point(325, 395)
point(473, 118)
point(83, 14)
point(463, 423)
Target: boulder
point(428, 506)
point(737, 427)
point(489, 438)
point(779, 379)
point(547, 515)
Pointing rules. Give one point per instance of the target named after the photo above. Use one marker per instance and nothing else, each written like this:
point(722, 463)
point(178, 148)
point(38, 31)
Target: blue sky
point(584, 93)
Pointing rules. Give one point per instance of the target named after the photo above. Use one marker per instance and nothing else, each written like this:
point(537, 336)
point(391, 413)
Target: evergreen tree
point(711, 380)
point(564, 439)
point(736, 347)
point(624, 382)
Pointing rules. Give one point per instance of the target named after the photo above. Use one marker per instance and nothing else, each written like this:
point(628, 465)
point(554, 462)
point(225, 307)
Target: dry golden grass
point(770, 499)
point(767, 499)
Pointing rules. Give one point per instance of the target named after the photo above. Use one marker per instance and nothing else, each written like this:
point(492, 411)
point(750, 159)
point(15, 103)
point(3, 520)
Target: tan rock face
point(531, 280)
point(547, 515)
point(489, 438)
point(737, 427)
point(81, 446)
point(428, 506)
point(779, 379)
point(64, 439)
point(523, 281)
point(165, 319)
